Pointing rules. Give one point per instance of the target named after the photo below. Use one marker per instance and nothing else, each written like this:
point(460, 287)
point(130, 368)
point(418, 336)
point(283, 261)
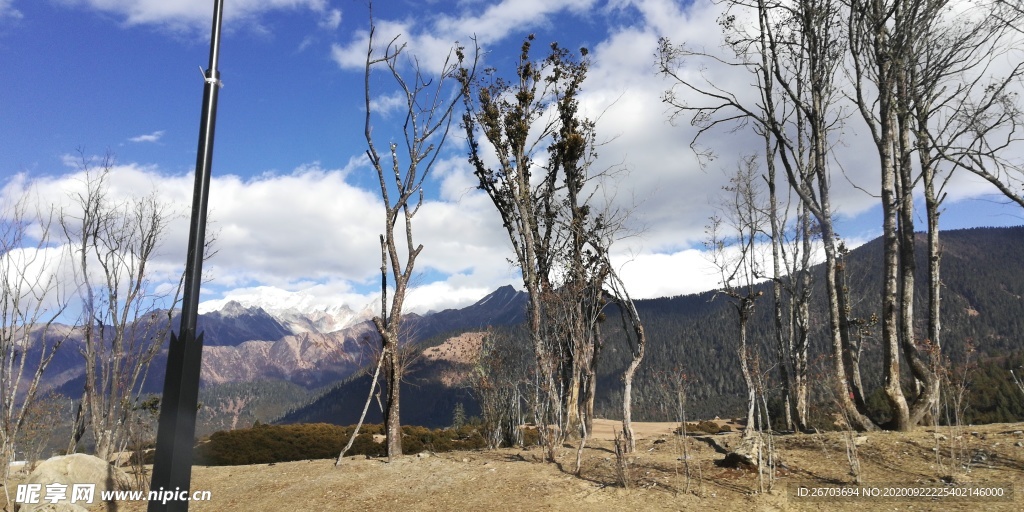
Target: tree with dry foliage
point(541, 183)
point(428, 105)
point(503, 114)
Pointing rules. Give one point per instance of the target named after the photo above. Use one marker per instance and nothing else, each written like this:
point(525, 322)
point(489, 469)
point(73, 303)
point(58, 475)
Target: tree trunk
point(838, 327)
point(887, 144)
point(393, 425)
point(366, 407)
point(783, 336)
point(934, 284)
point(627, 400)
point(591, 381)
point(801, 321)
point(631, 321)
point(744, 308)
point(891, 305)
point(573, 401)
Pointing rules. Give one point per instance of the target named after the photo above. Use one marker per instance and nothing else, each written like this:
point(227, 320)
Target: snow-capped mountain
point(298, 312)
point(289, 337)
point(292, 336)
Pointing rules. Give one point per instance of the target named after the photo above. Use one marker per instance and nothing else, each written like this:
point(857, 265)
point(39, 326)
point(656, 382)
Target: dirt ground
point(928, 460)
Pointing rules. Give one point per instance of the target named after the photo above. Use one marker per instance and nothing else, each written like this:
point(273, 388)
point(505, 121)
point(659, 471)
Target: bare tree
point(31, 301)
point(800, 50)
point(792, 50)
point(428, 107)
point(926, 79)
point(501, 380)
point(733, 243)
point(966, 115)
point(636, 340)
point(112, 244)
point(791, 297)
point(928, 86)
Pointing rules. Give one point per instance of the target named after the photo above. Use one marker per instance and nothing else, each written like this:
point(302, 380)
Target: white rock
point(74, 469)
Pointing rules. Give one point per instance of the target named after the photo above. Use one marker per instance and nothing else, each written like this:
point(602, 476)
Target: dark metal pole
point(172, 468)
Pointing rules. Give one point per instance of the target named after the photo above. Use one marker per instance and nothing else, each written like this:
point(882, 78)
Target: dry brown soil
point(516, 479)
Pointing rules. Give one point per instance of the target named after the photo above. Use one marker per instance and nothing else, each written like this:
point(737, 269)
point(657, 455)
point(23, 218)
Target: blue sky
point(293, 199)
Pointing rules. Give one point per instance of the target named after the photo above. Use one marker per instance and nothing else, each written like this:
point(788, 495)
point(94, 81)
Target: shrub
point(704, 427)
point(264, 444)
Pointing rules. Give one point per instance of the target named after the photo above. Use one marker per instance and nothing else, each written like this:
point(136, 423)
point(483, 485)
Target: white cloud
point(442, 295)
point(152, 137)
point(307, 225)
point(310, 230)
point(431, 38)
point(666, 275)
point(7, 11)
point(499, 20)
point(384, 105)
point(331, 19)
point(197, 14)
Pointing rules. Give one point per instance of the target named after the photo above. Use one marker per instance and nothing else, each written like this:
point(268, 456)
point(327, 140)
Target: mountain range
point(303, 361)
point(314, 347)
point(309, 345)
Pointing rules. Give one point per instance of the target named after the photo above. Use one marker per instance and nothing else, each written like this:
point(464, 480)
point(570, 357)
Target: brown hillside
point(464, 348)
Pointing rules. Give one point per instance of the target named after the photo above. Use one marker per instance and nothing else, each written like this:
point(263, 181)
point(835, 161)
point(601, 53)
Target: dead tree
point(733, 243)
point(636, 340)
point(31, 301)
point(428, 106)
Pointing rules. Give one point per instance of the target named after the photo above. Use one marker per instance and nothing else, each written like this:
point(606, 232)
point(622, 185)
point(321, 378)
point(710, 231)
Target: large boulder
point(74, 469)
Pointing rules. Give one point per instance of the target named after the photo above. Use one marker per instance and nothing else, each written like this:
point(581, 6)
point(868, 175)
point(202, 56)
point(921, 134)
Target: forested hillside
point(693, 342)
point(982, 309)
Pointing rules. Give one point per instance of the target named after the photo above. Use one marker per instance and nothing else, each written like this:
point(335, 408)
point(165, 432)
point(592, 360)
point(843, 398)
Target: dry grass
point(514, 479)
